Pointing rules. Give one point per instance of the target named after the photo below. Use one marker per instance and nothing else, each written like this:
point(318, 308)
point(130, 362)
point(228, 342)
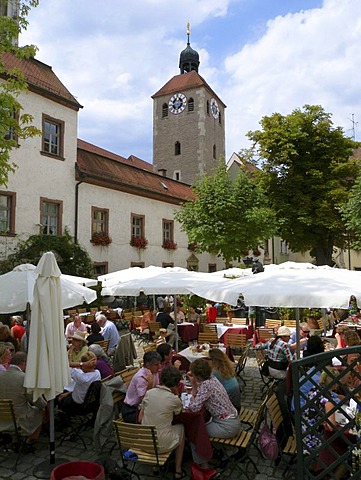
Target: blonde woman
point(223, 369)
point(5, 356)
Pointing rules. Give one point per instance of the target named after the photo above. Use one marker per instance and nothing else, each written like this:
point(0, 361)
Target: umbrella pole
point(298, 345)
point(51, 432)
point(176, 325)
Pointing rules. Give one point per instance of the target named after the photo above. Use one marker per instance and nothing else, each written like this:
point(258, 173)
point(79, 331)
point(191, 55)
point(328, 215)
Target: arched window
point(164, 110)
point(177, 148)
point(220, 118)
point(191, 105)
point(214, 152)
point(207, 107)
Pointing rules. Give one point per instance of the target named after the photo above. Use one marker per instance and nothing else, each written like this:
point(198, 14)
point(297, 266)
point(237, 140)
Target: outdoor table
point(196, 432)
point(186, 357)
point(355, 326)
point(188, 331)
point(223, 331)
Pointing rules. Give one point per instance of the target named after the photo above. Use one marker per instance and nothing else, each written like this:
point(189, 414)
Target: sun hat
point(284, 332)
point(79, 336)
point(162, 330)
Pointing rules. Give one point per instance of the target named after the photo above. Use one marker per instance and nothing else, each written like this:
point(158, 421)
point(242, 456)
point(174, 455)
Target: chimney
point(162, 171)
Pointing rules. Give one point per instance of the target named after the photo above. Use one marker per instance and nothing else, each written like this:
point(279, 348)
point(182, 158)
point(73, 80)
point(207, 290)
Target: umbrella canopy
point(47, 369)
point(304, 288)
point(170, 283)
point(86, 282)
point(233, 272)
point(17, 289)
point(133, 273)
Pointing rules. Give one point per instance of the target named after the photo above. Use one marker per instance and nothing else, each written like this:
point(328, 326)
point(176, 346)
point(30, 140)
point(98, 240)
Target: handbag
point(268, 443)
point(265, 368)
point(199, 473)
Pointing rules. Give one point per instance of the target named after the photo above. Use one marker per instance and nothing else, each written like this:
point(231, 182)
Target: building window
point(214, 151)
point(283, 247)
point(191, 105)
point(168, 231)
point(51, 216)
point(101, 268)
point(100, 220)
point(165, 265)
point(177, 148)
point(164, 110)
point(53, 137)
point(137, 225)
point(7, 212)
point(212, 267)
point(220, 118)
point(137, 264)
point(13, 119)
point(177, 175)
point(207, 107)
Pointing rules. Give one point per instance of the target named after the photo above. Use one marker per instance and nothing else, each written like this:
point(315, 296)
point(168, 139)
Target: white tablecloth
point(187, 353)
point(222, 329)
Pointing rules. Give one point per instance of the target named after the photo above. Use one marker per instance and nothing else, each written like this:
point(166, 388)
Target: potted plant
point(139, 242)
point(101, 239)
point(169, 245)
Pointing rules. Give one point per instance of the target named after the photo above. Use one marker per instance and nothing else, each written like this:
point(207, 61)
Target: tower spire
point(189, 58)
point(188, 32)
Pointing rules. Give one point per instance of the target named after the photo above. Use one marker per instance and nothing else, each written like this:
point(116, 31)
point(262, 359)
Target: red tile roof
point(41, 79)
point(100, 167)
point(183, 82)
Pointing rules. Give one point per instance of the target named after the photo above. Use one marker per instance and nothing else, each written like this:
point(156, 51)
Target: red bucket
point(90, 470)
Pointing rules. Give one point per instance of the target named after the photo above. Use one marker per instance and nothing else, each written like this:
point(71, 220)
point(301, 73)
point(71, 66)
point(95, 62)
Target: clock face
point(214, 108)
point(177, 103)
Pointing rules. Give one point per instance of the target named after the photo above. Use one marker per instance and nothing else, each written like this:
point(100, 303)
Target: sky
point(259, 56)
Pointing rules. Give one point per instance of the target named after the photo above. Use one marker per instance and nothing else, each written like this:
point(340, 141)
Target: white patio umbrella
point(86, 282)
point(17, 289)
point(47, 371)
point(233, 272)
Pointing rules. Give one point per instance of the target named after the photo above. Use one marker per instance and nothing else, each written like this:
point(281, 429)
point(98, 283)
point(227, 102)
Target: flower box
point(101, 239)
point(139, 242)
point(169, 245)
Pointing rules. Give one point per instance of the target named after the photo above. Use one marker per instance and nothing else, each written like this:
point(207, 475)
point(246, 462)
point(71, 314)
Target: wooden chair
point(150, 347)
point(89, 319)
point(207, 337)
point(210, 327)
point(286, 444)
point(82, 310)
point(104, 344)
point(241, 363)
point(104, 307)
point(93, 309)
point(290, 323)
point(260, 359)
point(271, 323)
point(154, 329)
point(71, 313)
point(127, 375)
point(7, 415)
point(236, 341)
point(239, 321)
point(243, 441)
point(143, 442)
point(265, 334)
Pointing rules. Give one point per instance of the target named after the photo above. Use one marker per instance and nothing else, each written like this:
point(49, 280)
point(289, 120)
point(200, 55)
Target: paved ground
point(71, 451)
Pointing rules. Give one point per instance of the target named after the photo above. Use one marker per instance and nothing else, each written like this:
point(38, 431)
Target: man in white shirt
point(109, 332)
point(180, 318)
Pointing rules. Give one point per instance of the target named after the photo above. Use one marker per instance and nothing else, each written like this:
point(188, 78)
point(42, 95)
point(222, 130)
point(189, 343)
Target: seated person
point(95, 335)
point(158, 408)
point(75, 326)
point(109, 332)
point(147, 317)
point(223, 369)
point(77, 348)
point(211, 312)
point(166, 352)
point(102, 361)
point(17, 328)
point(340, 335)
point(279, 353)
point(71, 402)
point(304, 334)
point(5, 356)
point(146, 378)
point(167, 322)
point(6, 337)
point(209, 393)
point(193, 316)
point(29, 415)
point(180, 317)
point(162, 336)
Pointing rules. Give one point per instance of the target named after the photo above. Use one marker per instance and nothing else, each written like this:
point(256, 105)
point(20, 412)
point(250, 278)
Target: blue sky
point(259, 56)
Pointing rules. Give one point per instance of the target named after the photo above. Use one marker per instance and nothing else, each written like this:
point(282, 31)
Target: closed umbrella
point(47, 371)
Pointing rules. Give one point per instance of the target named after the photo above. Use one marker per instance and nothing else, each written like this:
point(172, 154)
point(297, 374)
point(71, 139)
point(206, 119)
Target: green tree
point(227, 217)
point(71, 257)
point(14, 122)
point(308, 171)
point(352, 215)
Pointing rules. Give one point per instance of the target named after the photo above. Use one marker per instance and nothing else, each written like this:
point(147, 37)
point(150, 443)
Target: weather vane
point(188, 30)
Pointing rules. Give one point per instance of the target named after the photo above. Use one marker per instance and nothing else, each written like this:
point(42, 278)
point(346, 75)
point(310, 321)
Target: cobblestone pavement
point(72, 451)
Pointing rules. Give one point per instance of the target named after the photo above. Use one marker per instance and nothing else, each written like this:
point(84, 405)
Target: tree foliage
point(307, 175)
point(352, 215)
point(71, 257)
point(14, 122)
point(227, 218)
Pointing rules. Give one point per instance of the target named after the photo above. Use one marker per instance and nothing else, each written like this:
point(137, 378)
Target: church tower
point(188, 123)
